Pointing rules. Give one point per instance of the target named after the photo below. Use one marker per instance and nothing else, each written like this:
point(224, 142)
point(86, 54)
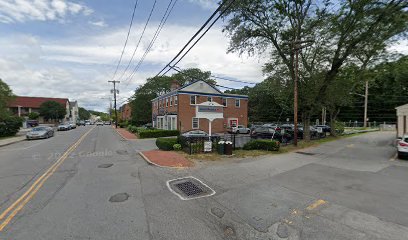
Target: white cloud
point(100, 23)
point(39, 10)
point(206, 4)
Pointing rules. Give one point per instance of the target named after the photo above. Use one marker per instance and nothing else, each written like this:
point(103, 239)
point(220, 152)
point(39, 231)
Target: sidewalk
point(11, 140)
point(166, 159)
point(126, 134)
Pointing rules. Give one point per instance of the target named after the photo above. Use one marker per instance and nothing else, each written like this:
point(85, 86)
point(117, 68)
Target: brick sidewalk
point(126, 134)
point(166, 159)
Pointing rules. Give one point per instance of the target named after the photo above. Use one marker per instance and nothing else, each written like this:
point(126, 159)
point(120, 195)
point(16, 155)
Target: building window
point(196, 123)
point(167, 102)
point(209, 99)
point(224, 102)
point(237, 103)
point(193, 100)
point(175, 100)
point(171, 101)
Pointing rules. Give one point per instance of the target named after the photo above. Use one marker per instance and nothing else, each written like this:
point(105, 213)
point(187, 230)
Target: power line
point(239, 81)
point(140, 39)
point(192, 38)
point(155, 36)
point(127, 38)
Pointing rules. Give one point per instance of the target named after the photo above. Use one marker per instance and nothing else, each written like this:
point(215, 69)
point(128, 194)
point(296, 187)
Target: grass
point(239, 153)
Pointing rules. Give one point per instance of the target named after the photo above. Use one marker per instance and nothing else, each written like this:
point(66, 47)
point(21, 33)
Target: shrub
point(9, 125)
point(268, 145)
point(177, 147)
point(166, 144)
point(156, 133)
point(339, 127)
point(123, 124)
point(132, 129)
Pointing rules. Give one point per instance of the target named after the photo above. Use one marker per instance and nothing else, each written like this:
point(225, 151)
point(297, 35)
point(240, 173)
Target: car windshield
point(38, 129)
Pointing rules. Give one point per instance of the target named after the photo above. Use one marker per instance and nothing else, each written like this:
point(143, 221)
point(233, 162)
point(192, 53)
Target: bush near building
point(156, 133)
point(9, 125)
point(268, 145)
point(166, 144)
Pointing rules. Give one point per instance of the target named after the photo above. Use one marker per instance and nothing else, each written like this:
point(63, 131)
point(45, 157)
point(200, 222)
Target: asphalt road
point(102, 189)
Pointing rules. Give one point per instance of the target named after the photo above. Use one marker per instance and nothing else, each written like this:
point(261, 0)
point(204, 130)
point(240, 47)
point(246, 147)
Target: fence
point(194, 145)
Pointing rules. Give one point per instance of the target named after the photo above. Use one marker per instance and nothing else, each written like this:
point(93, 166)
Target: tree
point(33, 115)
point(52, 110)
point(83, 113)
point(339, 31)
point(6, 95)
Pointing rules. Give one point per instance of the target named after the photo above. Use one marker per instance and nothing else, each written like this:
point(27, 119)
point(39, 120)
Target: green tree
point(52, 110)
point(33, 115)
point(6, 95)
point(338, 30)
point(83, 113)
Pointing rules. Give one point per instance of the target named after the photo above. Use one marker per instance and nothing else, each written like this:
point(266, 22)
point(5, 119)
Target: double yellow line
point(29, 194)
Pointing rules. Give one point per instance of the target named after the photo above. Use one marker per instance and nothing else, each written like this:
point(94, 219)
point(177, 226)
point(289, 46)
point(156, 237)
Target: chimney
point(174, 85)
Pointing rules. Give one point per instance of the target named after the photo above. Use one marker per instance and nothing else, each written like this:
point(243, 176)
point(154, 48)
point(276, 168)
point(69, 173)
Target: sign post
point(209, 111)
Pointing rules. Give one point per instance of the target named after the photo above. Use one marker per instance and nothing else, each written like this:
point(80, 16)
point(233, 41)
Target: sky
point(70, 49)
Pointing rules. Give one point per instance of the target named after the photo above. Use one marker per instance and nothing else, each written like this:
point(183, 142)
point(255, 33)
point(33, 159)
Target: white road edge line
point(183, 198)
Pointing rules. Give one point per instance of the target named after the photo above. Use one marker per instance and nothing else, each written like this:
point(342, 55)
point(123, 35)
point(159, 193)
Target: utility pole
point(365, 103)
point(114, 104)
point(296, 46)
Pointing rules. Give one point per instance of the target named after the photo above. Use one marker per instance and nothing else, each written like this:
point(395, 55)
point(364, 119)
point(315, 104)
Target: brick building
point(125, 112)
point(177, 109)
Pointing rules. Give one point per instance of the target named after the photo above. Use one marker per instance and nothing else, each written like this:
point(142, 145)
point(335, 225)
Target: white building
point(402, 120)
point(73, 111)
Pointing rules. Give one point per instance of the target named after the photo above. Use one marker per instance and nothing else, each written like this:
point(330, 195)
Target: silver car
point(40, 132)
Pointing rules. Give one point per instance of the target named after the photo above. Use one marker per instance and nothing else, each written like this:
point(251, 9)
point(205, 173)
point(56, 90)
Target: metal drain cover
point(306, 153)
point(189, 188)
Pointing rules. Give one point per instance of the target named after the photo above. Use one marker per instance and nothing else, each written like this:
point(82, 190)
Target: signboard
point(207, 146)
point(209, 110)
point(320, 130)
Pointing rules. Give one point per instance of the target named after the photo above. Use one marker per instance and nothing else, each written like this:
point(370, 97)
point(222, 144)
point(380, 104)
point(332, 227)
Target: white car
point(403, 147)
point(99, 123)
point(240, 129)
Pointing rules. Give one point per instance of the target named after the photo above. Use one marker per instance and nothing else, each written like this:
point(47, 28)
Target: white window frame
point(175, 100)
point(192, 123)
point(167, 102)
point(226, 102)
point(195, 99)
point(171, 101)
point(239, 103)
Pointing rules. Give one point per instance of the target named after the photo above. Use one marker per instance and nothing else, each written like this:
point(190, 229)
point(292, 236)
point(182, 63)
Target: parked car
point(64, 127)
point(195, 133)
point(402, 147)
point(99, 123)
point(325, 128)
point(271, 133)
point(40, 132)
point(239, 129)
point(32, 123)
point(107, 123)
point(73, 125)
point(81, 123)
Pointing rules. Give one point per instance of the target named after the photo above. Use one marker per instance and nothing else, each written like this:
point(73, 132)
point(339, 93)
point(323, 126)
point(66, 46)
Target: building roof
point(200, 87)
point(34, 102)
point(402, 106)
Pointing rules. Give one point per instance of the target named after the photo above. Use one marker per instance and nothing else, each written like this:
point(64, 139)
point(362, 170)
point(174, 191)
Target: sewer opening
point(189, 188)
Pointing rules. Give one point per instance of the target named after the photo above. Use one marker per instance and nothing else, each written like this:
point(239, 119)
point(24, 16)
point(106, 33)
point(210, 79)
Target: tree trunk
point(333, 117)
point(306, 126)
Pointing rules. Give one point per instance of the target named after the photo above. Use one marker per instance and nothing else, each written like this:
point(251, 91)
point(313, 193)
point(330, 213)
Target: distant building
point(402, 120)
point(178, 108)
point(125, 112)
point(73, 111)
point(22, 106)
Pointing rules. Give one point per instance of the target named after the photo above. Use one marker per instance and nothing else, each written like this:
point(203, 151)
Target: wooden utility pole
point(114, 104)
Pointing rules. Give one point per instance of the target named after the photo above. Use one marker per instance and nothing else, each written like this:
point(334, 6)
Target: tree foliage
point(52, 110)
point(83, 113)
point(6, 95)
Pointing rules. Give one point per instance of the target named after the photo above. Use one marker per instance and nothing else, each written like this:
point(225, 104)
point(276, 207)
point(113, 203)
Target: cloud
point(206, 4)
point(40, 10)
point(100, 23)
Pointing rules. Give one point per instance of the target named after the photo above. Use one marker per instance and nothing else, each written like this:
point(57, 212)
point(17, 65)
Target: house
point(402, 120)
point(178, 109)
point(22, 106)
point(73, 111)
point(125, 112)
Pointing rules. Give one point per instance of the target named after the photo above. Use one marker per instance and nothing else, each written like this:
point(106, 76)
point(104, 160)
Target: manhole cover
point(189, 188)
point(306, 153)
point(121, 152)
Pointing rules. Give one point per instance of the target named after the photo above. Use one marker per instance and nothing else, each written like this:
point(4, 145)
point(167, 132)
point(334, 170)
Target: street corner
point(166, 159)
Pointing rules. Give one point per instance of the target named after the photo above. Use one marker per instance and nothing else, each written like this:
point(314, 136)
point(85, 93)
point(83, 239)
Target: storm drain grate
point(306, 153)
point(189, 188)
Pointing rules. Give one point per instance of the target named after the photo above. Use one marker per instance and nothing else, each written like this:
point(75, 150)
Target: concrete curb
point(6, 144)
point(157, 165)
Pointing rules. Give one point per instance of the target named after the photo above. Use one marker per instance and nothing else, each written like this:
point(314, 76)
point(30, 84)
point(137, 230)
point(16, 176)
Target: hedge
point(123, 124)
point(166, 144)
point(156, 133)
point(268, 145)
point(9, 126)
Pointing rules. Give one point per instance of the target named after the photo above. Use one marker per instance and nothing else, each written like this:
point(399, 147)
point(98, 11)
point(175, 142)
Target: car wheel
point(400, 156)
point(248, 131)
